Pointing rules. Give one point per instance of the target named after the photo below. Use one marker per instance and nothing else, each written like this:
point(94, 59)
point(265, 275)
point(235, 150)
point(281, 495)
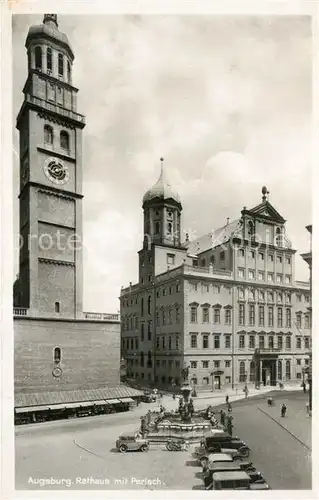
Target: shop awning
point(127, 400)
point(100, 402)
point(30, 409)
point(112, 401)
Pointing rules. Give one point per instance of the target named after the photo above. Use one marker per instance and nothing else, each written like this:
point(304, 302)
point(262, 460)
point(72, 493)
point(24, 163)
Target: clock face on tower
point(56, 171)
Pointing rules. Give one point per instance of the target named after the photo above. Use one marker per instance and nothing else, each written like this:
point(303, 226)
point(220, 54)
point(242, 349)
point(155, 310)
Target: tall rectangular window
point(216, 341)
point(227, 341)
point(261, 342)
point(60, 65)
point(288, 342)
point(193, 340)
point(279, 317)
point(205, 341)
point(288, 318)
point(217, 316)
point(270, 316)
point(241, 341)
point(193, 314)
point(271, 342)
point(242, 314)
point(298, 320)
point(261, 316)
point(251, 341)
point(251, 315)
point(227, 316)
point(149, 330)
point(177, 313)
point(307, 321)
point(205, 315)
point(279, 342)
point(298, 343)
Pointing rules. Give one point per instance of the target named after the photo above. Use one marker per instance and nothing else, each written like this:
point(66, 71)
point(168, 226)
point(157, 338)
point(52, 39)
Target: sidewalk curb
point(283, 427)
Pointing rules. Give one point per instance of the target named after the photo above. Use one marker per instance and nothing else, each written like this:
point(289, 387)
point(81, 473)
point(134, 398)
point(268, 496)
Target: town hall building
point(226, 305)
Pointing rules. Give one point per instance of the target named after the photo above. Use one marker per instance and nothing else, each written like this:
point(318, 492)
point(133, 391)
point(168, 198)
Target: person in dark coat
point(227, 399)
point(283, 410)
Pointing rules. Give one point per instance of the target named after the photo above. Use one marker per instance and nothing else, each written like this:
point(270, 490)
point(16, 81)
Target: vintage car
point(221, 444)
point(132, 441)
point(235, 480)
point(148, 397)
point(254, 476)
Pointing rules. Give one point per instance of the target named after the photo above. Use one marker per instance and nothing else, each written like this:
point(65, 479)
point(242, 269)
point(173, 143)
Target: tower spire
point(162, 168)
point(50, 18)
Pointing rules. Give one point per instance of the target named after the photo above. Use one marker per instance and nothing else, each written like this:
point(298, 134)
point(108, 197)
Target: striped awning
point(30, 409)
point(112, 401)
point(127, 400)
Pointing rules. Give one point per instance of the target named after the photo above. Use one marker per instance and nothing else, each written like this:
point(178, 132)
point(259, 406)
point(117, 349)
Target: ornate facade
point(227, 305)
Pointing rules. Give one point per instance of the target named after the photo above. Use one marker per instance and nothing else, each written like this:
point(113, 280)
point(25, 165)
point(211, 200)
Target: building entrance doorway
point(269, 372)
point(216, 382)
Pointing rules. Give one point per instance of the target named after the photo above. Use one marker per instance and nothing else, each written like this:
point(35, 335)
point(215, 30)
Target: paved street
point(80, 450)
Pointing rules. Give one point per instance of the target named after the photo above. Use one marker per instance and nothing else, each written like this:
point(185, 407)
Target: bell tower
point(50, 129)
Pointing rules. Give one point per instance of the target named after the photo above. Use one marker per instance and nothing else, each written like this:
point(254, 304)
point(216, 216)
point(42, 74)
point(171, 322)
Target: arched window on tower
point(157, 227)
point(69, 71)
point(49, 59)
point(57, 307)
point(169, 228)
point(38, 57)
point(57, 354)
point(60, 65)
point(64, 140)
point(48, 134)
point(142, 359)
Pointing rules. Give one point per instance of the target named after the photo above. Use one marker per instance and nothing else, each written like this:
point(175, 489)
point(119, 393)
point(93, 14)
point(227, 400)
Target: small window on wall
point(49, 59)
point(48, 134)
point(64, 140)
point(157, 228)
point(38, 57)
point(57, 355)
point(60, 65)
point(57, 307)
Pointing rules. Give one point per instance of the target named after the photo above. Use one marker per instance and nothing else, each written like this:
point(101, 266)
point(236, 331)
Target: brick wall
point(90, 354)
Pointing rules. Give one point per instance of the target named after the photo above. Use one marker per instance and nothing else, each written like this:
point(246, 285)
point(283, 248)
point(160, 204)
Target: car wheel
point(204, 461)
point(144, 447)
point(245, 451)
point(123, 448)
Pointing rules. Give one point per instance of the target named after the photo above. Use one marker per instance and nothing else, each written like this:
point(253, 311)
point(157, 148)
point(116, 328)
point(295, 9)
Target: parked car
point(132, 441)
point(235, 480)
point(148, 397)
point(221, 443)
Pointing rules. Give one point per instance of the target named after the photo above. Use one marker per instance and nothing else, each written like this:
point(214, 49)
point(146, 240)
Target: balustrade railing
point(101, 316)
point(20, 311)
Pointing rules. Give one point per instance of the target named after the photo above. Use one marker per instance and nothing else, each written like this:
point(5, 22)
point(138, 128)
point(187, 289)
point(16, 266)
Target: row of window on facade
point(270, 310)
point(261, 276)
point(252, 342)
point(251, 254)
point(207, 287)
point(261, 256)
point(227, 363)
point(139, 361)
point(49, 137)
point(170, 380)
point(261, 296)
point(39, 57)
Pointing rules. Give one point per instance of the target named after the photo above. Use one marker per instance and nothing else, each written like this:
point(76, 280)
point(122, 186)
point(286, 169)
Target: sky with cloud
point(226, 100)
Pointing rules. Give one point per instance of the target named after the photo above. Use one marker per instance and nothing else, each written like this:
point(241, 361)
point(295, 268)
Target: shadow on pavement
point(114, 450)
point(198, 487)
point(191, 463)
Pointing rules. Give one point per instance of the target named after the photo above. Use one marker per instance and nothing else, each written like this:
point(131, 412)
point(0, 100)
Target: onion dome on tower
point(162, 190)
point(162, 213)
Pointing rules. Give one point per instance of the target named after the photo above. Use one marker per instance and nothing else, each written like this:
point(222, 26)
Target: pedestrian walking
point(229, 409)
point(283, 410)
point(246, 392)
point(304, 387)
point(227, 399)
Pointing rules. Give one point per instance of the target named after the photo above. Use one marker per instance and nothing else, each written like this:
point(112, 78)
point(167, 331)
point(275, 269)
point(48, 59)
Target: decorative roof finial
point(265, 193)
point(50, 18)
